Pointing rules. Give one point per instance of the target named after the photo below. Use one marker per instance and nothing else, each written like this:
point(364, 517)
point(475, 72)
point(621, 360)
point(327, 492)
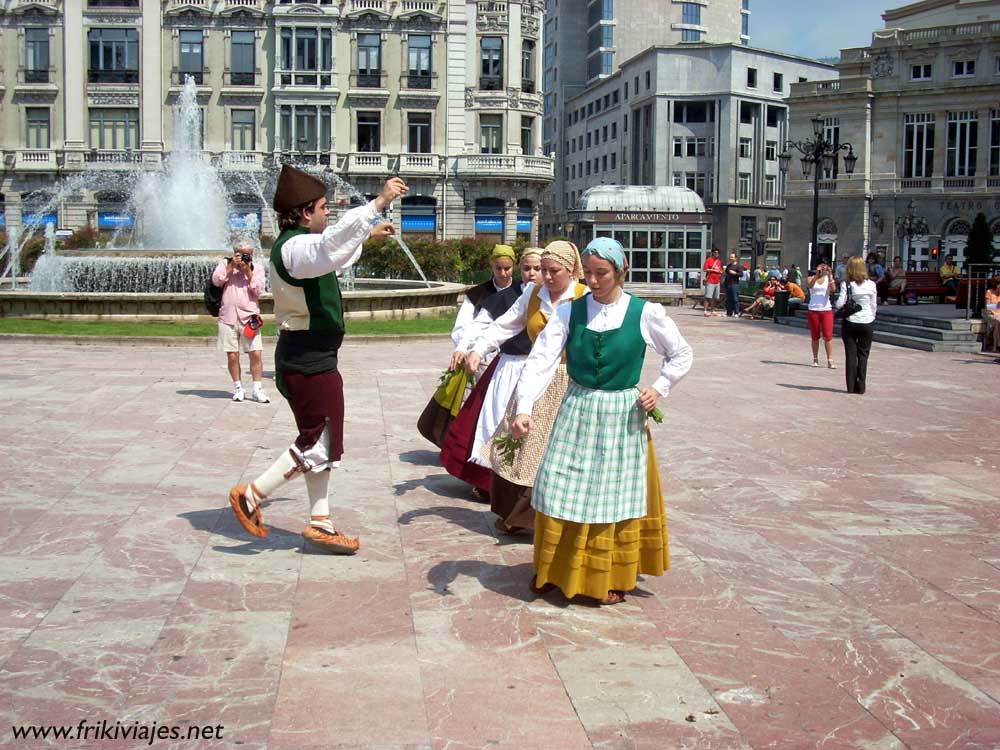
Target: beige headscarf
point(567, 255)
point(531, 251)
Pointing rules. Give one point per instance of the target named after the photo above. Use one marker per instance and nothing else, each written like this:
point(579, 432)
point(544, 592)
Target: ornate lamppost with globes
point(818, 154)
point(908, 226)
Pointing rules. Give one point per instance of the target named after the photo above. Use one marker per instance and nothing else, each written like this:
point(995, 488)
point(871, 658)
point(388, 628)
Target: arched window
point(419, 214)
point(956, 237)
point(490, 217)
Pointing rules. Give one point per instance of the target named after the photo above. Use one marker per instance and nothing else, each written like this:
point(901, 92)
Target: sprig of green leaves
point(508, 446)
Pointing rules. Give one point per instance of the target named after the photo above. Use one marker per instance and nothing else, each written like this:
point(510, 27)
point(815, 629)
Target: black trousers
point(857, 344)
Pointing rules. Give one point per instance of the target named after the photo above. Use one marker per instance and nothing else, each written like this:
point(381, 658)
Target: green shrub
point(86, 237)
point(30, 252)
point(463, 261)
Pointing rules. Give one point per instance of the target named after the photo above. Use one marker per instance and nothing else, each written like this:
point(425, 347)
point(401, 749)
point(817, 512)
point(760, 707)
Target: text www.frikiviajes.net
point(105, 730)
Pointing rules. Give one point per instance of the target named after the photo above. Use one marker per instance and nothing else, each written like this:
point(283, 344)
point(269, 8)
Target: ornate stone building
point(919, 106)
point(442, 92)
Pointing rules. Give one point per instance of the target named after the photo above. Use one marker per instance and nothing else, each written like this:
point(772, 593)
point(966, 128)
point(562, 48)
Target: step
point(947, 324)
point(966, 343)
point(935, 334)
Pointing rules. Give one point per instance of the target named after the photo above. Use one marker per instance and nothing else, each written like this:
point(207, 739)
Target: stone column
point(151, 68)
point(74, 86)
point(512, 74)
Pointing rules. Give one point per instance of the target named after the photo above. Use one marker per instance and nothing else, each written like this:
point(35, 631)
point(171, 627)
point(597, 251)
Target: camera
point(247, 257)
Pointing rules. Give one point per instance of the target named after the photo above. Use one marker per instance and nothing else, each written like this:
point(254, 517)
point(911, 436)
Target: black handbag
point(213, 298)
point(850, 307)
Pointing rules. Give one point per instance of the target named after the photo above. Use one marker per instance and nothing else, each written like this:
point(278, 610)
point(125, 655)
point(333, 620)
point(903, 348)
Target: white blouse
point(658, 331)
point(467, 328)
point(865, 295)
point(515, 319)
point(307, 256)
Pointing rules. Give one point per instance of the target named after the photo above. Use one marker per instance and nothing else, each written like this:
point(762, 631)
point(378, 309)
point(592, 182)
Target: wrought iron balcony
point(36, 75)
point(113, 76)
point(112, 3)
point(491, 83)
point(368, 80)
point(528, 85)
point(418, 81)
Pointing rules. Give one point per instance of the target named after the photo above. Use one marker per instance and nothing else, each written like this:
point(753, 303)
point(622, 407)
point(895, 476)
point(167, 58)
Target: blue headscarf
point(608, 249)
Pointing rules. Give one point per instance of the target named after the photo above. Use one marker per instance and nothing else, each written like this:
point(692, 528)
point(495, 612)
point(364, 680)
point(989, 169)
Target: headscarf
point(503, 251)
point(566, 254)
point(608, 249)
point(531, 251)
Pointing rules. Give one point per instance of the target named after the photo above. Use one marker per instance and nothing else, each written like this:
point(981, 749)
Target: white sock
point(237, 385)
point(271, 479)
point(258, 386)
point(318, 486)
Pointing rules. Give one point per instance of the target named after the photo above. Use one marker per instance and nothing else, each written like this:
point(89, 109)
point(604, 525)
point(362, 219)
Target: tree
point(980, 246)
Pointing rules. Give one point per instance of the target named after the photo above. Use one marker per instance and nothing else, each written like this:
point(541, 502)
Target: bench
point(923, 283)
point(668, 294)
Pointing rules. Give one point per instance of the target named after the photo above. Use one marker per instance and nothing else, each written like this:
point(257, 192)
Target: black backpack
point(213, 298)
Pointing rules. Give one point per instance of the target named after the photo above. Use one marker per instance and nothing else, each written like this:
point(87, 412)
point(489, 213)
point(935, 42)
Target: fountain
point(181, 225)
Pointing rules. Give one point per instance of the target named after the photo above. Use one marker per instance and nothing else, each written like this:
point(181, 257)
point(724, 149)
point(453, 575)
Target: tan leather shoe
point(332, 542)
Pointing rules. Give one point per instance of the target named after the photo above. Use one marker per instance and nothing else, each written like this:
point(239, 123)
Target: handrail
point(967, 270)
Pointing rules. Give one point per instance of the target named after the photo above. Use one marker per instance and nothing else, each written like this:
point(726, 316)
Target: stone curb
point(203, 341)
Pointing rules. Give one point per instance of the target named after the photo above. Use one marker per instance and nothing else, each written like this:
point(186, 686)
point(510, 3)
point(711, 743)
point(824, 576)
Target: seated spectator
point(796, 295)
point(950, 275)
point(765, 301)
point(897, 279)
point(876, 272)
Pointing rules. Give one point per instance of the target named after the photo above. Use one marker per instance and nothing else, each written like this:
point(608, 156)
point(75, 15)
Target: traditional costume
point(599, 517)
point(309, 314)
point(510, 483)
point(480, 415)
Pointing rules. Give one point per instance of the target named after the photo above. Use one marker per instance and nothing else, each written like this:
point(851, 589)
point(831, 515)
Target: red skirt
point(457, 447)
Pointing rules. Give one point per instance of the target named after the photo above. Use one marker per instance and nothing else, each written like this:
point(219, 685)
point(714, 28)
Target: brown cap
point(296, 188)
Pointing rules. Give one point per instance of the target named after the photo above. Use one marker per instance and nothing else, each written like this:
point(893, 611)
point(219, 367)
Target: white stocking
point(283, 469)
point(318, 486)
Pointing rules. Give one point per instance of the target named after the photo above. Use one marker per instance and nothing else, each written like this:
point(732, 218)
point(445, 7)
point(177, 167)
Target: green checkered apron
point(594, 469)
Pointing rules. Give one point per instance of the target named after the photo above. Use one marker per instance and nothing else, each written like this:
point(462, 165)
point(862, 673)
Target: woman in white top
point(858, 328)
point(822, 287)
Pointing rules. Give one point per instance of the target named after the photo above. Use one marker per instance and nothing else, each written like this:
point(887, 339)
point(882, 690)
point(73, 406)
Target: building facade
point(444, 93)
point(919, 106)
point(709, 117)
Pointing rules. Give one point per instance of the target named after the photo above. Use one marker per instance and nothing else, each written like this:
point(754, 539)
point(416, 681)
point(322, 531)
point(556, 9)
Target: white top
point(819, 296)
point(515, 319)
point(336, 248)
point(658, 331)
point(865, 295)
point(467, 328)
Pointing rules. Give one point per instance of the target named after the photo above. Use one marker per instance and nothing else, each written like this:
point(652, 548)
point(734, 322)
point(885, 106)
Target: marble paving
point(835, 581)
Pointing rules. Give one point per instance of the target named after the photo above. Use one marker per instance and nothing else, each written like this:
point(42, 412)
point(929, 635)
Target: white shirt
point(658, 331)
point(307, 256)
point(467, 326)
point(819, 296)
point(515, 319)
point(865, 295)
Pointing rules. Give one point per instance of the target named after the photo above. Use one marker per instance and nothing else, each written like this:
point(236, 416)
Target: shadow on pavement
point(222, 522)
point(442, 485)
point(205, 394)
point(472, 519)
point(778, 362)
point(811, 388)
point(421, 458)
point(513, 581)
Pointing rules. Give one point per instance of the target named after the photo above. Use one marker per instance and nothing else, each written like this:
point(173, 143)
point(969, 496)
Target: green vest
point(606, 360)
point(322, 301)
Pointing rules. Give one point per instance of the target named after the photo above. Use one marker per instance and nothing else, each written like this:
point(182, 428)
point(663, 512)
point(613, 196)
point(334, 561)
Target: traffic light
point(934, 252)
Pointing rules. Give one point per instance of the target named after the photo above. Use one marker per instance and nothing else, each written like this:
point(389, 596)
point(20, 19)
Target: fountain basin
point(372, 299)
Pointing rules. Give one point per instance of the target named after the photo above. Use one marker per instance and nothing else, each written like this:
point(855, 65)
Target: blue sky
point(812, 29)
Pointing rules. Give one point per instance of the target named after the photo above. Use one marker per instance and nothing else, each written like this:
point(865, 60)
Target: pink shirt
point(239, 298)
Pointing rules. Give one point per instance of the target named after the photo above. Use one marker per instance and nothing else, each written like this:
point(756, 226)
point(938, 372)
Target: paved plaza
point(835, 579)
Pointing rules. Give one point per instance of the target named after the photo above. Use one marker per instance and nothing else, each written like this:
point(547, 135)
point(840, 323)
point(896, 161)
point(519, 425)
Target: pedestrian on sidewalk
point(857, 329)
point(309, 312)
point(731, 282)
point(713, 277)
point(242, 283)
point(822, 287)
point(599, 517)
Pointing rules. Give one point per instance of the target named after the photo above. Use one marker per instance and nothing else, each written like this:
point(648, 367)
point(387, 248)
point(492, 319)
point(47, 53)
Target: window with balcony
point(994, 142)
point(36, 55)
point(418, 125)
point(114, 55)
point(771, 189)
point(370, 132)
point(963, 134)
point(746, 148)
point(918, 145)
point(490, 134)
point(527, 135)
point(190, 62)
point(491, 63)
point(114, 129)
point(370, 60)
point(37, 127)
point(243, 136)
point(920, 72)
point(306, 130)
point(243, 58)
point(528, 66)
point(306, 56)
point(743, 187)
point(418, 50)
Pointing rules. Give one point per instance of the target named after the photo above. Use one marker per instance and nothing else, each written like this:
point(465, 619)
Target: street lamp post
point(909, 226)
point(819, 154)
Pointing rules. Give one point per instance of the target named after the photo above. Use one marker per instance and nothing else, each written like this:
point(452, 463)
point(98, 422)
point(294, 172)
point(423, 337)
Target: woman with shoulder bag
point(857, 304)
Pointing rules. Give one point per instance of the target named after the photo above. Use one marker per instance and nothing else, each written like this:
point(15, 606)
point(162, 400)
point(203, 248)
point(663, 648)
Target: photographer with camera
point(242, 282)
point(822, 287)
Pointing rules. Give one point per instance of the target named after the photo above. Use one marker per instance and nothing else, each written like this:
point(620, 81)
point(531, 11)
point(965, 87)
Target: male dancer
point(309, 314)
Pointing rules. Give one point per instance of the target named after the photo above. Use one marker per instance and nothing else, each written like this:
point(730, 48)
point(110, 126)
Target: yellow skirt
point(595, 558)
